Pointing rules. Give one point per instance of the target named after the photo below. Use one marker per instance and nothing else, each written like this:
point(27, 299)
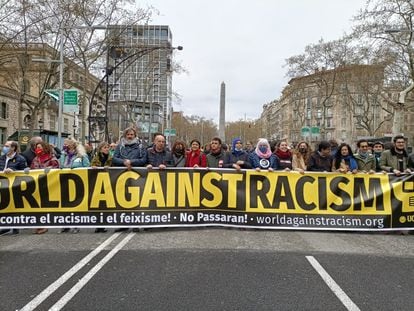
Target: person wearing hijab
point(263, 158)
point(237, 158)
point(344, 161)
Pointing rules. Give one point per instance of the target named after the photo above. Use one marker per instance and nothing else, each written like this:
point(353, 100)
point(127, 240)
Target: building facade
point(345, 104)
point(140, 85)
point(26, 109)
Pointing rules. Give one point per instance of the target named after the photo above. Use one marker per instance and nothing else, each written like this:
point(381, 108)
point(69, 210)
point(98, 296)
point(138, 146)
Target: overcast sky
point(245, 44)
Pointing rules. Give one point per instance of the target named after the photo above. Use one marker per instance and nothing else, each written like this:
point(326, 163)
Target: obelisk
point(222, 120)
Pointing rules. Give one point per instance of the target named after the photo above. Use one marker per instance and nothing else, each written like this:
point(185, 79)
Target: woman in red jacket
point(195, 158)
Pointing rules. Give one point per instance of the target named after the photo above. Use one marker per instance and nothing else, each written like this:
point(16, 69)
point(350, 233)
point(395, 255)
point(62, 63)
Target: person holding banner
point(102, 157)
point(11, 160)
point(300, 157)
point(45, 159)
point(215, 158)
point(395, 159)
point(158, 155)
point(73, 156)
point(178, 153)
point(263, 158)
point(321, 159)
point(129, 151)
point(365, 160)
point(237, 158)
point(195, 157)
point(344, 161)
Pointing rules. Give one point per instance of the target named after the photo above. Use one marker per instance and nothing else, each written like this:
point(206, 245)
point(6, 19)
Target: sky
point(244, 44)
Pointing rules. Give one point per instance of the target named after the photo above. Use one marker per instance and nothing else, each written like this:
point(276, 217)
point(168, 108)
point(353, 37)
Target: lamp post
point(95, 119)
point(40, 123)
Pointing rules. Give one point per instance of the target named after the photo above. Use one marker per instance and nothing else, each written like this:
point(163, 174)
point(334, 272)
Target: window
point(4, 113)
point(3, 135)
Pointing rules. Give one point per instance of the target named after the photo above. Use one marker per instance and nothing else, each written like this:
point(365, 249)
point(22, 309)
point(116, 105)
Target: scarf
point(283, 155)
point(352, 163)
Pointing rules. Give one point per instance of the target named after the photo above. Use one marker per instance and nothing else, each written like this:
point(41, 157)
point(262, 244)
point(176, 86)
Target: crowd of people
point(130, 152)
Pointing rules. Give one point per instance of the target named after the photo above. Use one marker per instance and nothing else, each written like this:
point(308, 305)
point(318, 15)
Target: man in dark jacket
point(321, 159)
point(215, 158)
point(11, 160)
point(158, 156)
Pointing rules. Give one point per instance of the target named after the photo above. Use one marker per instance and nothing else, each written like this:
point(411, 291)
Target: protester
point(237, 158)
point(195, 157)
point(344, 161)
point(158, 156)
point(215, 159)
point(73, 156)
point(102, 157)
point(300, 157)
point(178, 153)
point(129, 151)
point(377, 150)
point(249, 147)
point(284, 154)
point(262, 157)
point(365, 160)
point(11, 160)
point(395, 159)
point(321, 160)
point(112, 148)
point(45, 159)
point(29, 154)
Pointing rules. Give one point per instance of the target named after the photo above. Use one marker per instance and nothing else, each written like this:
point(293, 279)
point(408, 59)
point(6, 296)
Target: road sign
point(170, 132)
point(315, 130)
point(70, 99)
point(305, 131)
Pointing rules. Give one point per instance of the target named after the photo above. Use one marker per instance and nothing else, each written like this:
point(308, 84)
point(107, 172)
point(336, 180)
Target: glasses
point(400, 142)
point(364, 146)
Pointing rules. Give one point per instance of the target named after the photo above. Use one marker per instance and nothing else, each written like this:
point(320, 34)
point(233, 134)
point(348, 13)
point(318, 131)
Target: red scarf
point(283, 155)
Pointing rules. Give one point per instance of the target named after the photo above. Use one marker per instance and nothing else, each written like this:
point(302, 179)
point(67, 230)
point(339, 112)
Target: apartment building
point(345, 104)
point(140, 85)
point(26, 109)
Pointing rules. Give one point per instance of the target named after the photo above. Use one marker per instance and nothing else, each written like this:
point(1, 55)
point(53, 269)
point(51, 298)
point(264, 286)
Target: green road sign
point(305, 131)
point(170, 132)
point(315, 130)
point(70, 99)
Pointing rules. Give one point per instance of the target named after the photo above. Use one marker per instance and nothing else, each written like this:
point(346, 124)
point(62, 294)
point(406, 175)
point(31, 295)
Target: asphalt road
point(207, 269)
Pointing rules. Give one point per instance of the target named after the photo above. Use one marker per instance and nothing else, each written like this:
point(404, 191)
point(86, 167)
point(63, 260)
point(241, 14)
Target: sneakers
point(100, 230)
point(64, 230)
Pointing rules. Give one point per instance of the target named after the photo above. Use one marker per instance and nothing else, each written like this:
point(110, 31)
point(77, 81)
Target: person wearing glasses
point(394, 160)
point(365, 160)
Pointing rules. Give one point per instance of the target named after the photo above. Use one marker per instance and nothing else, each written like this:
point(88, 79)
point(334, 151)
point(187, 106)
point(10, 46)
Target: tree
point(44, 21)
point(390, 23)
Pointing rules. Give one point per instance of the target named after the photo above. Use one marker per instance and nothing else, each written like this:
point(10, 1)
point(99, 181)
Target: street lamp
point(60, 99)
point(94, 118)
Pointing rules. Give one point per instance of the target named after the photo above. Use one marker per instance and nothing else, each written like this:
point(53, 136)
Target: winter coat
point(17, 163)
point(257, 162)
point(135, 152)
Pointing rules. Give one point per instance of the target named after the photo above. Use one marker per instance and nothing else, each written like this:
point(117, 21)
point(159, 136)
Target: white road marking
point(83, 281)
point(35, 302)
point(342, 296)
